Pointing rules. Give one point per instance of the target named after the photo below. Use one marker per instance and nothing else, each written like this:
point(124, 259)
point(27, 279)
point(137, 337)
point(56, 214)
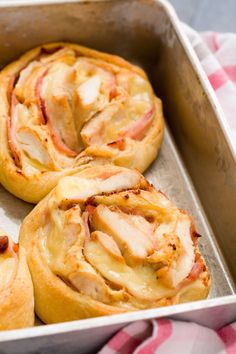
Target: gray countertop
point(216, 15)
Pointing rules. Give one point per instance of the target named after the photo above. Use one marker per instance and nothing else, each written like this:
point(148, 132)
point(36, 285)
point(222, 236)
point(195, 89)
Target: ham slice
point(138, 129)
point(12, 120)
point(41, 102)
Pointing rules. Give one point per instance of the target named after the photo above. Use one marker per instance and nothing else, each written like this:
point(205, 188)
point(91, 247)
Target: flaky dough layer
point(16, 289)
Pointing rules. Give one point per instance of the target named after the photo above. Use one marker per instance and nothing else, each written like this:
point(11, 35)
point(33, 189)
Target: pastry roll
point(104, 242)
point(16, 289)
point(65, 107)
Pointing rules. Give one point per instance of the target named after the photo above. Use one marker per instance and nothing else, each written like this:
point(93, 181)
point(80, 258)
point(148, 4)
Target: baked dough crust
point(43, 93)
point(16, 289)
point(75, 244)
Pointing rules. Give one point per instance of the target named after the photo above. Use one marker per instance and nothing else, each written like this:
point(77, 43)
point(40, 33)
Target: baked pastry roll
point(105, 241)
point(16, 289)
point(65, 107)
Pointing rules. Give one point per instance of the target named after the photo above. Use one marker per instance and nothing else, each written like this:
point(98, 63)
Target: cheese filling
point(119, 252)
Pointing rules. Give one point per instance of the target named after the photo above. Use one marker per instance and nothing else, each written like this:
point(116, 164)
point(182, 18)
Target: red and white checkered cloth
point(217, 54)
point(166, 336)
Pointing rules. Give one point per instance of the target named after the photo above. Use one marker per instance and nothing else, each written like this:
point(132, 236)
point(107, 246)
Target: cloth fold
point(165, 336)
point(217, 54)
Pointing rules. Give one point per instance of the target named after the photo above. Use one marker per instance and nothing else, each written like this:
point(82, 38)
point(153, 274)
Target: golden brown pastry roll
point(16, 289)
point(64, 107)
point(105, 241)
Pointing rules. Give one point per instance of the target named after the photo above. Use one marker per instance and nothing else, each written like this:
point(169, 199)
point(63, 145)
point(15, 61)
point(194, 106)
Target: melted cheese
point(110, 244)
point(140, 281)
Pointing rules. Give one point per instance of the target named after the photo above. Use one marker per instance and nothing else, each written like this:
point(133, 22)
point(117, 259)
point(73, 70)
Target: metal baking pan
point(196, 167)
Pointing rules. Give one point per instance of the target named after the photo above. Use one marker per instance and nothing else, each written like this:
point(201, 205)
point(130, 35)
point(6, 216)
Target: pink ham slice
point(41, 102)
point(138, 129)
point(12, 131)
point(197, 268)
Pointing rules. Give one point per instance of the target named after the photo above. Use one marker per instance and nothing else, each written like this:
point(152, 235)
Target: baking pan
point(196, 167)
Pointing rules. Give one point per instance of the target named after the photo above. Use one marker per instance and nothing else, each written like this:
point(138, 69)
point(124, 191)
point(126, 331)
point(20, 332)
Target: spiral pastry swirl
point(16, 289)
point(65, 107)
point(105, 241)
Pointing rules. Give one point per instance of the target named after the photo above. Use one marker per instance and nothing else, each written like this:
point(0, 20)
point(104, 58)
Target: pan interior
point(195, 167)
